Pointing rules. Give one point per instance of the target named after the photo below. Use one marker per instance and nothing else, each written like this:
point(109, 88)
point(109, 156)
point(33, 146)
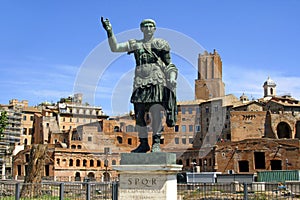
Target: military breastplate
point(149, 71)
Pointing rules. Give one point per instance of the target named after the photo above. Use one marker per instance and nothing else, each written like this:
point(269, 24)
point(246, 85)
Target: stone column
point(148, 176)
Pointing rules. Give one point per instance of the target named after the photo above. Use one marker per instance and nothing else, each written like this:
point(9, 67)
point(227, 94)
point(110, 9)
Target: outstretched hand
point(106, 24)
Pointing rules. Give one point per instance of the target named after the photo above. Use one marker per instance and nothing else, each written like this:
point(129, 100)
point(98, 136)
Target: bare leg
point(156, 120)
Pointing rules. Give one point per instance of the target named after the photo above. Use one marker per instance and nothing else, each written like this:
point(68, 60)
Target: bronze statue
point(154, 83)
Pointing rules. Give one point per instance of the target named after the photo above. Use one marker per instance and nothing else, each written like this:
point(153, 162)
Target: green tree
point(3, 122)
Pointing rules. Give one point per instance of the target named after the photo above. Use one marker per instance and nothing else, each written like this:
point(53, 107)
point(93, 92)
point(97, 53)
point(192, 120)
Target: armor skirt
point(157, 94)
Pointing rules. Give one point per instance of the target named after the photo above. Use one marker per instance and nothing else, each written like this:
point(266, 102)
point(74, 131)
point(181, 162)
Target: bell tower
point(209, 83)
point(269, 88)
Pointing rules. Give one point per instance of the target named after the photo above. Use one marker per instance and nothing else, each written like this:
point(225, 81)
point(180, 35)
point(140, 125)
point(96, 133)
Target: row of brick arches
point(91, 176)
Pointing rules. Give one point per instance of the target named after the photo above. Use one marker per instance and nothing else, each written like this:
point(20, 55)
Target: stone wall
point(247, 125)
point(250, 156)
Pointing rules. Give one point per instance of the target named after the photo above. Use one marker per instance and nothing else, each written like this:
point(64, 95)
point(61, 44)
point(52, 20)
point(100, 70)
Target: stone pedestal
point(148, 176)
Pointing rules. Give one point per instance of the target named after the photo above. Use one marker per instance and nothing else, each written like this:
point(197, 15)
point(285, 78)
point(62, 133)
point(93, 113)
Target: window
point(107, 150)
point(84, 163)
point(77, 176)
point(198, 128)
point(191, 128)
point(243, 166)
point(71, 162)
point(24, 131)
point(176, 140)
point(190, 110)
point(24, 117)
point(183, 128)
point(113, 162)
point(116, 129)
point(183, 110)
point(119, 139)
point(259, 160)
point(129, 141)
point(228, 137)
point(197, 110)
point(90, 139)
point(19, 170)
point(206, 109)
point(276, 165)
point(77, 163)
point(98, 163)
point(47, 169)
point(31, 118)
point(183, 140)
point(91, 163)
point(176, 128)
point(191, 140)
point(26, 157)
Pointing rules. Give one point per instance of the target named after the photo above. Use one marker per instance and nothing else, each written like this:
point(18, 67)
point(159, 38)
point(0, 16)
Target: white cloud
point(250, 81)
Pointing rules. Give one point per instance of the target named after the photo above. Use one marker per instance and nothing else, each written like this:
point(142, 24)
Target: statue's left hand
point(172, 80)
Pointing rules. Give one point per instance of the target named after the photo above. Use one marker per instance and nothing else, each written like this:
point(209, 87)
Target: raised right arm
point(113, 44)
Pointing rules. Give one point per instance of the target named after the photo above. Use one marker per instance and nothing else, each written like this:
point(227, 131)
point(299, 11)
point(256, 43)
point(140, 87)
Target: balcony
point(3, 143)
point(17, 122)
point(13, 128)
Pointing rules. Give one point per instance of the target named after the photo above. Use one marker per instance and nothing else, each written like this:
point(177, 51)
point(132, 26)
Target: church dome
point(270, 82)
point(244, 97)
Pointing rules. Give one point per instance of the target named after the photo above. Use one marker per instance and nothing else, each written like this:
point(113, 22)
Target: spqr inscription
point(148, 182)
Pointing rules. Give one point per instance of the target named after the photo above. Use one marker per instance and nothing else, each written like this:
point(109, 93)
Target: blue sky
point(46, 46)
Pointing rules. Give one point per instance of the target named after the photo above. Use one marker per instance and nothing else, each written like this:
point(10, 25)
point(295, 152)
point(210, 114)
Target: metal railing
point(12, 190)
point(238, 191)
point(58, 191)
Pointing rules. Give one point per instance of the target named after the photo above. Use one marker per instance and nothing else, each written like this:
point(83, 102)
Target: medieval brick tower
point(209, 83)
